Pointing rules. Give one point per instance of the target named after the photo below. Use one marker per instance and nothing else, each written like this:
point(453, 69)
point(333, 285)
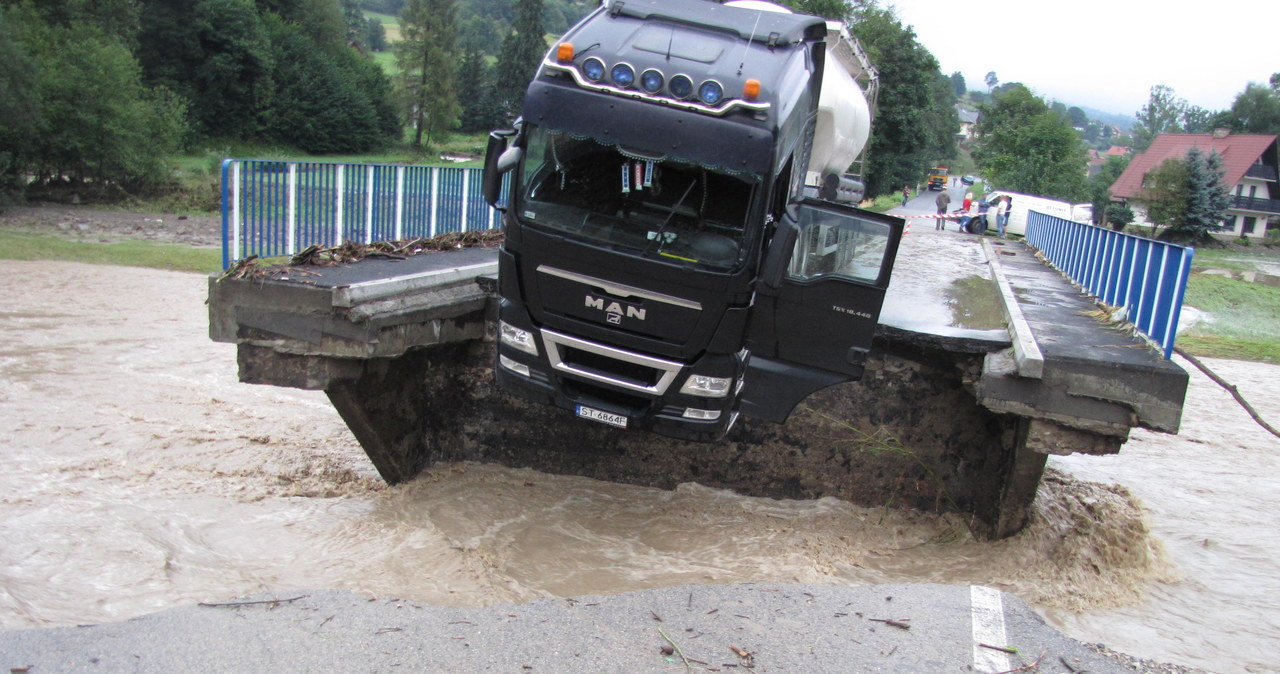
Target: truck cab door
point(818, 301)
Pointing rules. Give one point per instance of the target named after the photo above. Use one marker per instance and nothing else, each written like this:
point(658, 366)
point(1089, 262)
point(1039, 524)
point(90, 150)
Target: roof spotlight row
point(652, 81)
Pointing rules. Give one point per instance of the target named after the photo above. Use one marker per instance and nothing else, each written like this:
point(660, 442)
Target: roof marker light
point(751, 89)
point(681, 87)
point(710, 92)
point(593, 69)
point(564, 53)
point(623, 75)
point(651, 81)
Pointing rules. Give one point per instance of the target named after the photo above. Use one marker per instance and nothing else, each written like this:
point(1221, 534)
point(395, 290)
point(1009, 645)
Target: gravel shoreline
point(97, 225)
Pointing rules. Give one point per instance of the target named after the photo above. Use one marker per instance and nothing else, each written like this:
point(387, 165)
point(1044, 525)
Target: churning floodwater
point(138, 474)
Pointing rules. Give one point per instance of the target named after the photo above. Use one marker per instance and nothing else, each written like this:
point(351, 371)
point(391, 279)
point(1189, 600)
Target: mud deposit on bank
point(138, 474)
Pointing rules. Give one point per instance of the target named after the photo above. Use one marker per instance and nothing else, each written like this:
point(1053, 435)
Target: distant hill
point(1123, 122)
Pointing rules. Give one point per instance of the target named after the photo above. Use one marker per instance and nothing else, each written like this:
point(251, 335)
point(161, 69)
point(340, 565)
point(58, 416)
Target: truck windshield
point(659, 207)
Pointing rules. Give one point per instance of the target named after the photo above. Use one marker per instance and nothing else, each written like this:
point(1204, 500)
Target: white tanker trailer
point(849, 85)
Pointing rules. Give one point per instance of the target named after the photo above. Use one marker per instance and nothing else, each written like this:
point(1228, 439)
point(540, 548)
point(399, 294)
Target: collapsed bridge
point(986, 360)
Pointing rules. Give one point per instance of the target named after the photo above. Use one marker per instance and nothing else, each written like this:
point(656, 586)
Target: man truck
point(678, 248)
point(938, 177)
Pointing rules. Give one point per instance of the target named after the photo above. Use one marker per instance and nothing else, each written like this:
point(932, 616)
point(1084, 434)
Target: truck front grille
point(608, 365)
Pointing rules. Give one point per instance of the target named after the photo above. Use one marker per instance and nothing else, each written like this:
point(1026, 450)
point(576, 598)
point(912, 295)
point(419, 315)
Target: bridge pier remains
point(952, 423)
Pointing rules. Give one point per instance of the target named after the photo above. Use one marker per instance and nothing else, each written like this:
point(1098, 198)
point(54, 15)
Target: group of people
point(1003, 206)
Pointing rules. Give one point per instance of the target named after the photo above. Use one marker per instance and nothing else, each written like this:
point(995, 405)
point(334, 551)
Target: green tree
point(836, 10)
point(1196, 119)
point(19, 107)
point(1207, 197)
point(1187, 197)
point(1256, 110)
point(522, 52)
point(1023, 146)
point(115, 18)
point(915, 121)
point(940, 118)
point(1165, 193)
point(480, 35)
point(991, 80)
point(1117, 216)
point(375, 35)
point(958, 85)
point(357, 26)
point(321, 20)
point(249, 71)
point(215, 54)
point(1163, 113)
point(428, 60)
point(1077, 117)
point(326, 101)
point(392, 7)
point(480, 112)
point(1100, 186)
point(96, 126)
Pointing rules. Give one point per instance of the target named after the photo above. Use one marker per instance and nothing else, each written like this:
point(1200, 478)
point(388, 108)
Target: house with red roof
point(1250, 165)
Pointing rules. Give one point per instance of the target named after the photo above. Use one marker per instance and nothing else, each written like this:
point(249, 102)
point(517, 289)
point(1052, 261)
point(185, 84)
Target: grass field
point(1244, 319)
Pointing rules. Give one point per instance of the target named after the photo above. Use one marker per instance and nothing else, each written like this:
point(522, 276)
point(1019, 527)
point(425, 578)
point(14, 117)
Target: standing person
point(942, 202)
point(965, 206)
point(1002, 213)
point(979, 223)
point(906, 194)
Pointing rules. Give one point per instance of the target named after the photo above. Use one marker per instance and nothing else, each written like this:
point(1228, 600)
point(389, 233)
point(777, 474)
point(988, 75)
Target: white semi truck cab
point(676, 250)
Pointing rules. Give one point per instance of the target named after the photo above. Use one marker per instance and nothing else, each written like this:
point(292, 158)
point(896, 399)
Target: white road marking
point(988, 628)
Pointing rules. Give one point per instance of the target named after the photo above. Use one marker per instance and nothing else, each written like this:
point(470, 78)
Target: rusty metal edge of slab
point(1027, 354)
point(356, 293)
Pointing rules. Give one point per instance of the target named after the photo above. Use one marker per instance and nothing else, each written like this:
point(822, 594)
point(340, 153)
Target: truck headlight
point(517, 338)
point(707, 387)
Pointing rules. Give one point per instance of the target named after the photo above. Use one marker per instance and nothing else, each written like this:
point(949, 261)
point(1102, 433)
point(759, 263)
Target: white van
point(1023, 203)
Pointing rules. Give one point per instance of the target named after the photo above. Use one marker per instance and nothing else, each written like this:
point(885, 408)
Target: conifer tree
point(428, 59)
point(522, 51)
point(1206, 195)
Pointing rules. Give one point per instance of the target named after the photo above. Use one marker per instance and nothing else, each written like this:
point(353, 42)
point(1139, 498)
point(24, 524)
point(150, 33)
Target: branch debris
point(674, 647)
point(272, 602)
point(317, 256)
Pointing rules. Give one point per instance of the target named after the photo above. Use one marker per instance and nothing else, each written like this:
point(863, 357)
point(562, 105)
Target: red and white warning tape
point(947, 216)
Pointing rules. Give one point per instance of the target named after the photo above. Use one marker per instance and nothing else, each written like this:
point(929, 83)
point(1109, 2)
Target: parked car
point(968, 180)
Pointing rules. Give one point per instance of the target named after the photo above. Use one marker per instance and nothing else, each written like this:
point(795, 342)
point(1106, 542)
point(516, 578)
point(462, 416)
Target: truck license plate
point(602, 416)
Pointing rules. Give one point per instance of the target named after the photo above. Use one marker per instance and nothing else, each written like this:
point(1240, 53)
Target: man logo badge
point(615, 310)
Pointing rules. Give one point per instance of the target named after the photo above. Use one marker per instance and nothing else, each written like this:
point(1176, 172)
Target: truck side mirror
point(499, 158)
point(778, 255)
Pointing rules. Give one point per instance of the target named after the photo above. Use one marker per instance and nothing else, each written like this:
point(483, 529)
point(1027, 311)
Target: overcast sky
point(1104, 54)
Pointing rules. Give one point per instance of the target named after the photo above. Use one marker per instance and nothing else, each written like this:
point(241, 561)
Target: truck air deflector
point(728, 143)
point(558, 354)
point(745, 24)
point(620, 290)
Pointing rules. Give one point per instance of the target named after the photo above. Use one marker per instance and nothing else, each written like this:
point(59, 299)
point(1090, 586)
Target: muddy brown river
point(138, 474)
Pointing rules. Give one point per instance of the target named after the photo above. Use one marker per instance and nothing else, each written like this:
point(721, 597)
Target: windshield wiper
point(658, 236)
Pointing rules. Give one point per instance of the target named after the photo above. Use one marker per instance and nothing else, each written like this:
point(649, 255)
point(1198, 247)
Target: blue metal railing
point(277, 208)
point(1148, 278)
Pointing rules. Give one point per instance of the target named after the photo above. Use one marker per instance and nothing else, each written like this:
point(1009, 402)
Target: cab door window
point(834, 244)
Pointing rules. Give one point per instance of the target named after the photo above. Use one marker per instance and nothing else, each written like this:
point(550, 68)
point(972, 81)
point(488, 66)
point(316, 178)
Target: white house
point(1250, 163)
